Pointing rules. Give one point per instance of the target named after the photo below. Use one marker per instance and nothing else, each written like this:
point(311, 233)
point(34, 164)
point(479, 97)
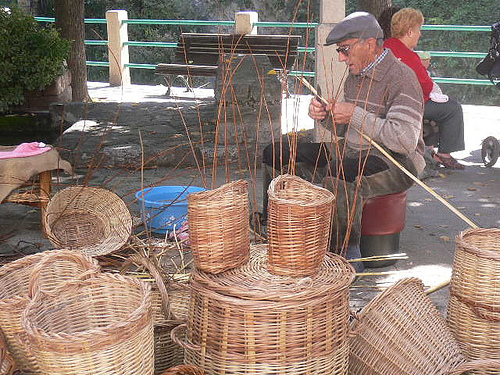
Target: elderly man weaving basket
point(383, 100)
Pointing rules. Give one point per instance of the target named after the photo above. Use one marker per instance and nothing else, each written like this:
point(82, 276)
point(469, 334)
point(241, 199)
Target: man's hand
point(342, 112)
point(318, 110)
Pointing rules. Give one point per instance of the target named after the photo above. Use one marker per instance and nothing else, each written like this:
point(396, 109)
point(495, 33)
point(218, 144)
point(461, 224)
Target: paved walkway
point(428, 238)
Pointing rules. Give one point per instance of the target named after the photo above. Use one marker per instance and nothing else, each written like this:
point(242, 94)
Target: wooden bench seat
point(198, 54)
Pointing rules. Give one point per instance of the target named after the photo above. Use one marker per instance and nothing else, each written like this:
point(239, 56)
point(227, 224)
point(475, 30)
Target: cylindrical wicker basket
point(474, 306)
point(101, 325)
point(52, 268)
point(248, 321)
point(169, 308)
point(92, 220)
point(400, 332)
point(299, 217)
point(219, 230)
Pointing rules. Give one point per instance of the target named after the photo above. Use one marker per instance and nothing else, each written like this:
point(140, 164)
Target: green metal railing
point(290, 25)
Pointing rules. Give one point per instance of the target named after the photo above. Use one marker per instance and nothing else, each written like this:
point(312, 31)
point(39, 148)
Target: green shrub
point(31, 57)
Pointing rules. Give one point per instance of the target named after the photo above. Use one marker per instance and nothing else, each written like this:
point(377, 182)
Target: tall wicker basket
point(92, 220)
point(219, 230)
point(401, 332)
point(474, 306)
point(101, 325)
point(299, 217)
point(169, 308)
point(248, 321)
point(52, 268)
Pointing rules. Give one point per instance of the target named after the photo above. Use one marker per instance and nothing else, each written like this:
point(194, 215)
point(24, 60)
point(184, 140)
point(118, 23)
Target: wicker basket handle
point(141, 260)
point(183, 343)
point(478, 364)
point(34, 287)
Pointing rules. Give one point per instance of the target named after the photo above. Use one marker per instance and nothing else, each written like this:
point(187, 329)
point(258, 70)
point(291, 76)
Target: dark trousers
point(353, 178)
point(450, 121)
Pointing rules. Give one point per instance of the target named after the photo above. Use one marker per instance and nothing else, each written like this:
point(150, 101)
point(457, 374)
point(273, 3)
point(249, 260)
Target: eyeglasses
point(345, 49)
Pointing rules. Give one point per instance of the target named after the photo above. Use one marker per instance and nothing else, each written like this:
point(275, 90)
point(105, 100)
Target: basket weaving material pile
point(299, 217)
point(401, 332)
point(65, 265)
point(92, 220)
point(219, 230)
point(474, 305)
point(101, 325)
point(248, 321)
point(169, 303)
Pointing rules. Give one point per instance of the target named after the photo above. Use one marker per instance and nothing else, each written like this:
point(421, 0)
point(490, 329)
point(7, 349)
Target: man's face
point(355, 53)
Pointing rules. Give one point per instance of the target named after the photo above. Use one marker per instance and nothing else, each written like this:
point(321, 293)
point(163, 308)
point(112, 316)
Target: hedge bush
point(31, 57)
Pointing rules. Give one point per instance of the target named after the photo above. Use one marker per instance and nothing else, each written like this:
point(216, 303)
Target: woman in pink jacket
point(405, 34)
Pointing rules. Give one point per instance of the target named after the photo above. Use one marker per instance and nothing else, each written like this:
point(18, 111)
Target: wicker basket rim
point(115, 238)
point(252, 281)
point(379, 299)
point(220, 191)
point(95, 334)
point(22, 263)
point(462, 241)
point(326, 196)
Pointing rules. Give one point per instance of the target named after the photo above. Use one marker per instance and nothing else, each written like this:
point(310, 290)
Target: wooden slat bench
point(198, 54)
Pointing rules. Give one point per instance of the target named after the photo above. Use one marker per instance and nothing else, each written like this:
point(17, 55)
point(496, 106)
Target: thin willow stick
point(380, 257)
point(435, 288)
point(389, 156)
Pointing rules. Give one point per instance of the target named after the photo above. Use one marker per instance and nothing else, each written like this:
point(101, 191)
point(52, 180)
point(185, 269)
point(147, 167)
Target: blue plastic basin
point(164, 208)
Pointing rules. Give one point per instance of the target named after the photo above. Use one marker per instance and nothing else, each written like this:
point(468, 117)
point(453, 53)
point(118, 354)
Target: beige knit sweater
point(389, 109)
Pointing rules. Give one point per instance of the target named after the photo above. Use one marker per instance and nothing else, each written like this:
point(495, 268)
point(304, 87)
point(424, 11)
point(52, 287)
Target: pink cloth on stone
point(24, 150)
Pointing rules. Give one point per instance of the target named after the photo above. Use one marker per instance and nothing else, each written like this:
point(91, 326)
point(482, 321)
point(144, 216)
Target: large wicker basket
point(7, 364)
point(101, 325)
point(52, 268)
point(401, 332)
point(169, 308)
point(299, 217)
point(248, 321)
point(474, 306)
point(219, 230)
point(92, 220)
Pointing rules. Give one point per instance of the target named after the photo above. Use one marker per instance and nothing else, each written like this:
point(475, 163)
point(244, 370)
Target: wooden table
point(35, 193)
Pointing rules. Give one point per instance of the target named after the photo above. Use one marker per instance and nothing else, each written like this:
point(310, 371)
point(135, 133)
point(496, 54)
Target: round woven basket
point(219, 230)
point(92, 220)
point(7, 364)
point(474, 306)
point(52, 269)
point(248, 321)
point(400, 332)
point(101, 325)
point(299, 217)
point(169, 303)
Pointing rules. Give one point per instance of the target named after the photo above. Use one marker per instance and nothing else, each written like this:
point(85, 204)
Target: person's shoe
point(448, 162)
point(428, 172)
